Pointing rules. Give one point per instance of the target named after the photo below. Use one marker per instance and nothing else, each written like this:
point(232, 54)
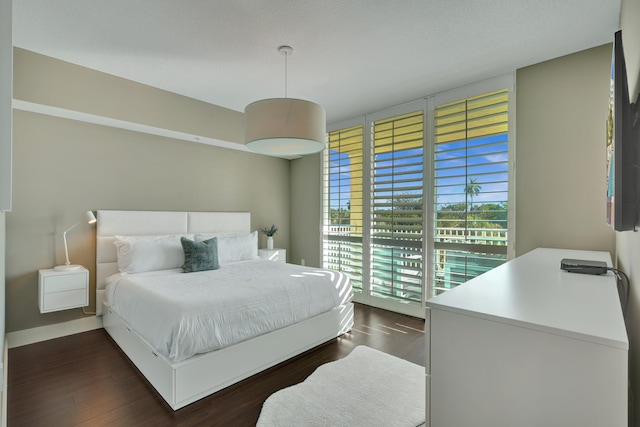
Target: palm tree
point(472, 189)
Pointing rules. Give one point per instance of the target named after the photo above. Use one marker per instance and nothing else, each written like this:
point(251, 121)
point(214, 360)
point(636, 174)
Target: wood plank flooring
point(85, 380)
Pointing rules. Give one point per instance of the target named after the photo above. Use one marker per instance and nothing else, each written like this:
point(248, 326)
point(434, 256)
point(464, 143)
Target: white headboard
point(138, 223)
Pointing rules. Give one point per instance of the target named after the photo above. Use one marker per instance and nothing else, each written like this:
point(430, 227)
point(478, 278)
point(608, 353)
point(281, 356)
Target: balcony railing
point(482, 236)
point(452, 266)
point(486, 236)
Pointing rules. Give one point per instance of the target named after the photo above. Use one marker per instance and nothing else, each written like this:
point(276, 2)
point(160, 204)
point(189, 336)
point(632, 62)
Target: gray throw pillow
point(200, 256)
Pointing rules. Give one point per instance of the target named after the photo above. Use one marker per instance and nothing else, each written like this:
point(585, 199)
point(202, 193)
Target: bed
point(184, 371)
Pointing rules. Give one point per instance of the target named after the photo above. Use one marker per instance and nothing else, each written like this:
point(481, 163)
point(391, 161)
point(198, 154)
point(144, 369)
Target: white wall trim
point(64, 113)
point(57, 330)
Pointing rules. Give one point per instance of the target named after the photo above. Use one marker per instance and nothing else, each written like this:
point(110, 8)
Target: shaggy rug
point(366, 388)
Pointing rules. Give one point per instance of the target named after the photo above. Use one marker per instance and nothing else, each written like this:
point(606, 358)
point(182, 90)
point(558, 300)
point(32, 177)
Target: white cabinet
point(277, 255)
point(61, 290)
point(528, 344)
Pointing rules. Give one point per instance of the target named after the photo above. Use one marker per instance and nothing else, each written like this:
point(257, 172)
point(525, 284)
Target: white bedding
point(183, 314)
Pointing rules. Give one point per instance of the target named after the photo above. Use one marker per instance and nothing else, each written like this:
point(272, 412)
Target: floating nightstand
point(62, 290)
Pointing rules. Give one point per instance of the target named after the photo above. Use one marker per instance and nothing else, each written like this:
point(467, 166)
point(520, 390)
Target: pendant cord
point(285, 50)
point(286, 63)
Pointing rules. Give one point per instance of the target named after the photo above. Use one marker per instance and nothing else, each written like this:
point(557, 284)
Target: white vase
point(269, 242)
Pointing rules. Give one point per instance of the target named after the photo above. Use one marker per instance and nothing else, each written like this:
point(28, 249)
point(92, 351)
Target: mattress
point(183, 314)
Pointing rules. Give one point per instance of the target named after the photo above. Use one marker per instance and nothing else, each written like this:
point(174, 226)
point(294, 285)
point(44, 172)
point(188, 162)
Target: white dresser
point(527, 344)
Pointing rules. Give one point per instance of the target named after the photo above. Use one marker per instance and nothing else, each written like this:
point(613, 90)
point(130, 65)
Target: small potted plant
point(270, 232)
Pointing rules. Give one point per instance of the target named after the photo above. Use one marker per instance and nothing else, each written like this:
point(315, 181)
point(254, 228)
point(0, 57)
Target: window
point(471, 188)
point(417, 197)
point(343, 214)
point(396, 212)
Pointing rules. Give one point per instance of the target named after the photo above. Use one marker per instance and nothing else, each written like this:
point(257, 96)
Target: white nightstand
point(61, 290)
point(277, 255)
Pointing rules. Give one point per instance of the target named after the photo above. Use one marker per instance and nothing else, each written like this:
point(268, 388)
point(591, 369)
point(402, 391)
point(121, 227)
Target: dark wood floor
point(85, 380)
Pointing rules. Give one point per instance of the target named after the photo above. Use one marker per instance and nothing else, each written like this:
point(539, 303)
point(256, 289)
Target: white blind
point(342, 216)
point(471, 181)
point(397, 207)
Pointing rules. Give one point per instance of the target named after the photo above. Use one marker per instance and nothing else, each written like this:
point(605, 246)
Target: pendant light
point(285, 126)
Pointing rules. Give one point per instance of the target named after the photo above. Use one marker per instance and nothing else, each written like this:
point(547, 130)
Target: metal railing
point(340, 254)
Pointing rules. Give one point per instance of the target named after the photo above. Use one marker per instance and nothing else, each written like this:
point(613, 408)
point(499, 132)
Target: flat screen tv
point(622, 160)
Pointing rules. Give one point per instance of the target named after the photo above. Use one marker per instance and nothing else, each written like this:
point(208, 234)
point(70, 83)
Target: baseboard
point(48, 332)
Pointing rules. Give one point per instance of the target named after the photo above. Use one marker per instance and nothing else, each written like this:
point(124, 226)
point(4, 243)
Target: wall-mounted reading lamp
point(90, 219)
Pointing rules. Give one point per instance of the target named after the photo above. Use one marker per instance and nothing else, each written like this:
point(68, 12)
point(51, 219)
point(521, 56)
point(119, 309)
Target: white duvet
point(183, 314)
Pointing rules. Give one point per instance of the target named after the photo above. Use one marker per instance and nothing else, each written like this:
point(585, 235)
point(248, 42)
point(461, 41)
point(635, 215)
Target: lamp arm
point(64, 236)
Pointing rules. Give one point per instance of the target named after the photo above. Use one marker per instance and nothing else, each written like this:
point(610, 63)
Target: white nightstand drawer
point(63, 300)
point(62, 290)
point(64, 282)
point(276, 255)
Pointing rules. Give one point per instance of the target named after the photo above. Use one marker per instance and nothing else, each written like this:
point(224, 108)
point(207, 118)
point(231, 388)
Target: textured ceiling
point(351, 56)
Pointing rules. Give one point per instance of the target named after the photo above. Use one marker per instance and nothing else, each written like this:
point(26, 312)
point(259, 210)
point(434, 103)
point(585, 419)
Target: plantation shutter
point(471, 181)
point(342, 216)
point(397, 207)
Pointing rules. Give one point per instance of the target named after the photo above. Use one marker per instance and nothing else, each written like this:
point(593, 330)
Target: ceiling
point(351, 56)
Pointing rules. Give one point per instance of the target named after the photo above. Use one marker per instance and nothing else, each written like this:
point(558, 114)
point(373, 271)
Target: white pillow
point(237, 248)
point(149, 253)
point(201, 237)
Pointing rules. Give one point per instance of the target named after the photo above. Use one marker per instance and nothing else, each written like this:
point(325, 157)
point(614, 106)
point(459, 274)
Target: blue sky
point(484, 159)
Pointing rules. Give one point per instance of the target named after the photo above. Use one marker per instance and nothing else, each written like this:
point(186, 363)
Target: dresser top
point(532, 291)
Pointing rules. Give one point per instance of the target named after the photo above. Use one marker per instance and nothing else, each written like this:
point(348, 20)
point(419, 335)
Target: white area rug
point(366, 388)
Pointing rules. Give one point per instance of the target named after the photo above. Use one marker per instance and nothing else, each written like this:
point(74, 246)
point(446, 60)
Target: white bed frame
point(184, 382)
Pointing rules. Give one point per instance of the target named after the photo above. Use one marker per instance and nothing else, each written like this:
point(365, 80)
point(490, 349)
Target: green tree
point(340, 216)
point(472, 189)
point(493, 214)
point(452, 215)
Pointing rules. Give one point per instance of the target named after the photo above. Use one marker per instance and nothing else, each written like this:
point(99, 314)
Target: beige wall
point(306, 206)
point(628, 242)
point(64, 167)
point(48, 81)
point(561, 107)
